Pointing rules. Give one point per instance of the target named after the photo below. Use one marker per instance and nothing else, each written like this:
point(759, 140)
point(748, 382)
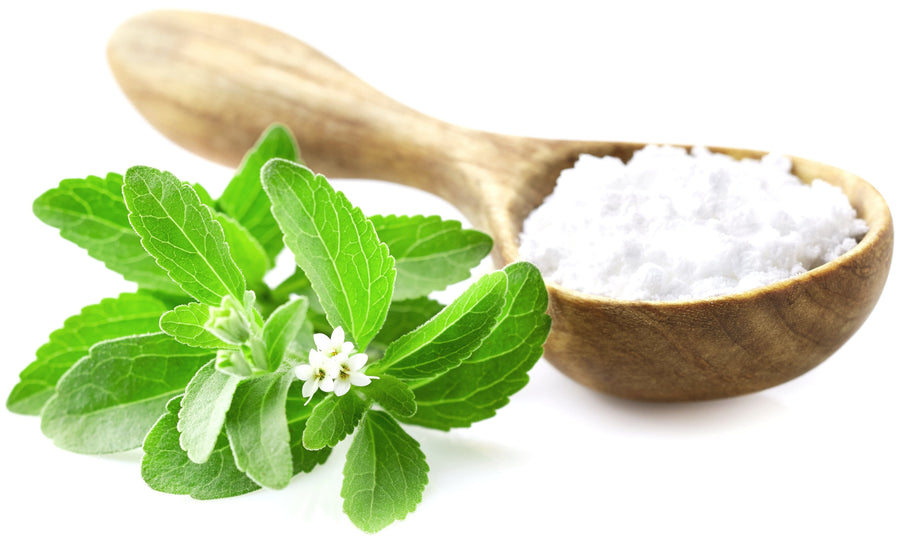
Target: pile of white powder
point(673, 226)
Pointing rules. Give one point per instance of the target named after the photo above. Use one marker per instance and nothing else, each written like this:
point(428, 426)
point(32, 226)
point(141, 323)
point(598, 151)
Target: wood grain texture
point(212, 84)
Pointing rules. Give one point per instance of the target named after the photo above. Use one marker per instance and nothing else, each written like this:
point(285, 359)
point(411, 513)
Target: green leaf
point(332, 420)
point(392, 394)
point(282, 328)
point(203, 408)
point(244, 198)
point(258, 431)
point(108, 401)
point(483, 383)
point(430, 253)
point(403, 316)
point(181, 234)
point(91, 213)
point(247, 252)
point(385, 473)
point(127, 314)
point(335, 245)
point(166, 467)
point(297, 415)
point(204, 195)
point(450, 336)
point(184, 323)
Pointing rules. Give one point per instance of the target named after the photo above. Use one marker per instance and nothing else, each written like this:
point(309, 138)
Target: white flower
point(334, 345)
point(319, 373)
point(350, 372)
point(333, 366)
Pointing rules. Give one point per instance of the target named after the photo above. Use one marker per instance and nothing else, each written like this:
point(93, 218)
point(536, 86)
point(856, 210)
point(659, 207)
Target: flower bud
point(228, 322)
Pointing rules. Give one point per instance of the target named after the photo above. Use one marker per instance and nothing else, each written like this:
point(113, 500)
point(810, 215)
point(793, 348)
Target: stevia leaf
point(403, 316)
point(203, 408)
point(185, 322)
point(181, 234)
point(282, 328)
point(385, 473)
point(244, 198)
point(392, 394)
point(430, 253)
point(258, 432)
point(335, 245)
point(450, 336)
point(91, 213)
point(298, 413)
point(128, 314)
point(499, 368)
point(204, 195)
point(108, 400)
point(166, 467)
point(246, 251)
point(332, 420)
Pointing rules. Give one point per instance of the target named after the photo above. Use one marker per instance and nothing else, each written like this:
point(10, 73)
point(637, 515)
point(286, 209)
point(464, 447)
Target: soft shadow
point(130, 457)
point(658, 417)
point(692, 417)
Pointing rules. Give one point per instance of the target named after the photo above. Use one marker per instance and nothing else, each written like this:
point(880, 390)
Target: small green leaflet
point(483, 383)
point(332, 420)
point(181, 234)
point(298, 413)
point(167, 468)
point(108, 401)
point(385, 473)
point(258, 431)
point(335, 245)
point(185, 322)
point(91, 213)
point(244, 198)
point(450, 337)
point(248, 254)
point(282, 328)
point(430, 253)
point(392, 394)
point(203, 408)
point(125, 315)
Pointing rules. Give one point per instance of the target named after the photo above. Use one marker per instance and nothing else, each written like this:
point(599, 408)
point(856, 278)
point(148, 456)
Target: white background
point(815, 457)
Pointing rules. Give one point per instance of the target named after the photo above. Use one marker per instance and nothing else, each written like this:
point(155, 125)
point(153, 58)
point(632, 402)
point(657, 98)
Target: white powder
point(673, 226)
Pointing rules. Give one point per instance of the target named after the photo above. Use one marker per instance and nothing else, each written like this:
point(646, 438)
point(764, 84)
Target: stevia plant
point(230, 385)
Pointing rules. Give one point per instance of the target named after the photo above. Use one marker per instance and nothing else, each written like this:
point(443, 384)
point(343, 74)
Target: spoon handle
point(213, 83)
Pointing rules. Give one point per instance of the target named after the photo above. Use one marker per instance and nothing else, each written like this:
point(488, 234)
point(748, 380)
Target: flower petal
point(337, 337)
point(323, 343)
point(326, 384)
point(341, 387)
point(310, 387)
point(357, 361)
point(303, 372)
point(359, 379)
point(317, 358)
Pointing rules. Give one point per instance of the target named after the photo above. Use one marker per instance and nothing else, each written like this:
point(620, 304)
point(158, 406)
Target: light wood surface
point(212, 84)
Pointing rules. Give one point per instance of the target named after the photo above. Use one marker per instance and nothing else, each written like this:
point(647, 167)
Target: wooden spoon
point(212, 84)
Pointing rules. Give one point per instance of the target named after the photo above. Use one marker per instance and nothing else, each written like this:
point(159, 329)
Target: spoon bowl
point(212, 83)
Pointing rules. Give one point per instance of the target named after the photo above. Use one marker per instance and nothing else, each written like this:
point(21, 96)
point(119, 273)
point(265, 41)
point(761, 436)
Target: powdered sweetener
point(672, 225)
